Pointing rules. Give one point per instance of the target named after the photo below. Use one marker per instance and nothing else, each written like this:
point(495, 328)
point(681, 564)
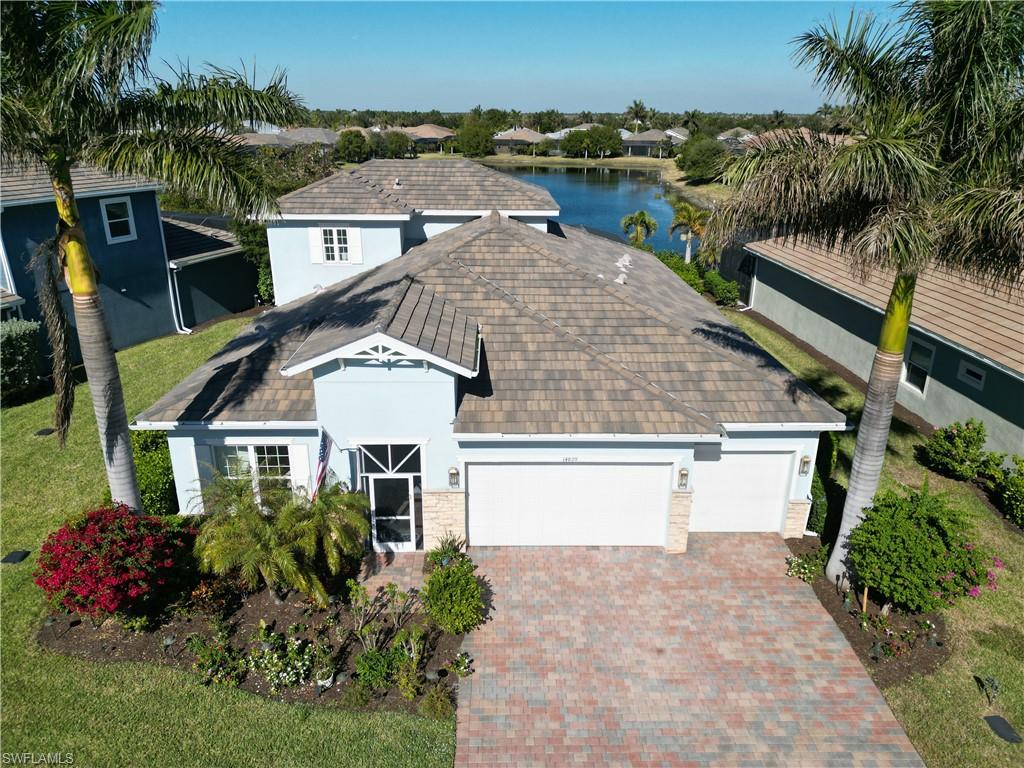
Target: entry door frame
point(393, 546)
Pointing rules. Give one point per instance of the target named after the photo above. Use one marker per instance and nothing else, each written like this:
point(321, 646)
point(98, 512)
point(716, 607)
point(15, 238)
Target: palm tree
point(934, 179)
point(690, 120)
point(77, 88)
point(636, 113)
point(777, 119)
point(691, 220)
point(638, 226)
point(335, 523)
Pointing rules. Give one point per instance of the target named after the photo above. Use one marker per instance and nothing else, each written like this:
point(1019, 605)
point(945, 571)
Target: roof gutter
point(142, 424)
point(608, 437)
point(786, 426)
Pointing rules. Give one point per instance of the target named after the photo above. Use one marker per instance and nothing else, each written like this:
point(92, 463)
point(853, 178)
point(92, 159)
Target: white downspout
point(172, 281)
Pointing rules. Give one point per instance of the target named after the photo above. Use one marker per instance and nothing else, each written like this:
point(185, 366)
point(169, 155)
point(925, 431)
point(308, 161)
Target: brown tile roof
point(652, 136)
point(29, 183)
point(582, 334)
point(189, 236)
point(428, 132)
point(521, 135)
point(986, 320)
point(342, 192)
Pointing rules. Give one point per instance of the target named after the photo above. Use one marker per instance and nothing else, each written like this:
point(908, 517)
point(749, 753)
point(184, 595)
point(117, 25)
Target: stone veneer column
point(796, 518)
point(679, 521)
point(443, 511)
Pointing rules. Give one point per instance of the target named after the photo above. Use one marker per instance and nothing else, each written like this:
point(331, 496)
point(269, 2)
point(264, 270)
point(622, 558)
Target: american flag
point(321, 462)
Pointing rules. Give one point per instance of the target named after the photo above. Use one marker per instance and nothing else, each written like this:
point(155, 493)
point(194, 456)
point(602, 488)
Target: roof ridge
point(384, 194)
point(583, 345)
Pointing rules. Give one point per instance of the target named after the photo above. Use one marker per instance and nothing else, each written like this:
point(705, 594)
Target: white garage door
point(568, 504)
point(741, 492)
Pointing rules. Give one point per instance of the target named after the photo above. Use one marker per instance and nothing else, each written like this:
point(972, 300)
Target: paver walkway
point(625, 656)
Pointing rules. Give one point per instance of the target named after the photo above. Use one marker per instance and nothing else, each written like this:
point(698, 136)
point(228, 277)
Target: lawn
point(135, 714)
point(942, 712)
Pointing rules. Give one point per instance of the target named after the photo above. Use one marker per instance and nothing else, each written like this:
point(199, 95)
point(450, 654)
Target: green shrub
point(702, 159)
point(375, 668)
point(476, 141)
point(216, 660)
point(448, 549)
point(915, 552)
point(437, 703)
point(283, 662)
point(726, 292)
point(19, 357)
point(687, 270)
point(352, 147)
point(1010, 491)
point(155, 473)
point(453, 598)
point(806, 567)
point(819, 505)
point(958, 451)
point(356, 695)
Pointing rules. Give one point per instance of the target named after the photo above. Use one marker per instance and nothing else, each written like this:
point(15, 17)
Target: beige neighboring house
point(428, 133)
point(739, 134)
point(965, 351)
point(518, 137)
point(646, 143)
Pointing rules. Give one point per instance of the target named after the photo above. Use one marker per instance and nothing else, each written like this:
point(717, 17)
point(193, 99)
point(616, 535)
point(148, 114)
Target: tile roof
point(342, 192)
point(191, 236)
point(581, 334)
point(987, 320)
point(525, 135)
point(29, 183)
point(652, 136)
point(428, 132)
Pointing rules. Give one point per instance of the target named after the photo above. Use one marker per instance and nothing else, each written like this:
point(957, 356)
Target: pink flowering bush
point(915, 552)
point(109, 561)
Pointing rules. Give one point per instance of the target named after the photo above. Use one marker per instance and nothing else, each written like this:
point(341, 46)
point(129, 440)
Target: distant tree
point(603, 141)
point(475, 140)
point(514, 119)
point(636, 113)
point(377, 146)
point(547, 121)
point(398, 144)
point(691, 221)
point(777, 119)
point(702, 159)
point(836, 118)
point(638, 227)
point(576, 144)
point(352, 147)
point(585, 116)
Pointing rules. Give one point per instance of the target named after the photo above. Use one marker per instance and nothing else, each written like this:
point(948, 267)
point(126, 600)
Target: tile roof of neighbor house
point(736, 133)
point(651, 136)
point(31, 183)
point(803, 132)
point(581, 334)
point(192, 237)
point(453, 185)
point(428, 132)
point(679, 134)
point(522, 135)
point(987, 320)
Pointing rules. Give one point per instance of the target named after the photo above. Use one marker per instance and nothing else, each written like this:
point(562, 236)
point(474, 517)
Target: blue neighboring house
point(159, 273)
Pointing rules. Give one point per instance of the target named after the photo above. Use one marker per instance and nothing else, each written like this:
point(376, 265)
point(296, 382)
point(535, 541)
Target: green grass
point(942, 712)
point(137, 714)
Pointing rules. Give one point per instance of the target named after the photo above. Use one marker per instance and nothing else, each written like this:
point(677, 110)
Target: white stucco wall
point(291, 259)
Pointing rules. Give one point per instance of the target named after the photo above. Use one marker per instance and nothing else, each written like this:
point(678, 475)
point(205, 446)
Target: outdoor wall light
point(805, 466)
point(453, 477)
point(684, 478)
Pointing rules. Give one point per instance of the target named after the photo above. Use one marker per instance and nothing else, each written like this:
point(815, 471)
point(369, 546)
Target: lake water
point(599, 197)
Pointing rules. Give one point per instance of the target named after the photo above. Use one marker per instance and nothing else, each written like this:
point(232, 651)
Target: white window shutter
point(355, 245)
point(316, 245)
point(298, 458)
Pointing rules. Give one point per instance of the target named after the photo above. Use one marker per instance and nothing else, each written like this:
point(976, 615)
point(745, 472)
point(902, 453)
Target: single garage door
point(741, 492)
point(568, 504)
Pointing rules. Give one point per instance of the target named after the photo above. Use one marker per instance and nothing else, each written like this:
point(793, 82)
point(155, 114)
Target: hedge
point(19, 357)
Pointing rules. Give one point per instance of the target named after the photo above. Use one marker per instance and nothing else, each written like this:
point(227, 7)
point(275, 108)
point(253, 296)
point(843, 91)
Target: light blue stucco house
point(159, 273)
point(509, 379)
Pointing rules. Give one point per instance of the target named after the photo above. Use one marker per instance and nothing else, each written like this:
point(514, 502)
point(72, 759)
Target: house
point(158, 275)
point(965, 352)
point(561, 134)
point(429, 135)
point(518, 137)
point(678, 135)
point(360, 218)
point(739, 134)
point(291, 137)
point(512, 384)
point(646, 143)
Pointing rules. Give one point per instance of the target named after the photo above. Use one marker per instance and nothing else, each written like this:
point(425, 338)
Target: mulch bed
point(110, 642)
point(922, 659)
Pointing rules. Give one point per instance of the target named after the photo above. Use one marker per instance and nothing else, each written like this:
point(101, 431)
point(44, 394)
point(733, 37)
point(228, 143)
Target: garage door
point(568, 504)
point(741, 492)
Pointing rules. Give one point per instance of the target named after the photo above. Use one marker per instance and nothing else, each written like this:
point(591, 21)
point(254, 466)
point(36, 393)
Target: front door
point(391, 477)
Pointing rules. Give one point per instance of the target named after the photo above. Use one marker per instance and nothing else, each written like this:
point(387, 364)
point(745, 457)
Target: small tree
point(352, 147)
point(576, 144)
point(702, 159)
point(604, 141)
point(639, 226)
point(398, 145)
point(475, 140)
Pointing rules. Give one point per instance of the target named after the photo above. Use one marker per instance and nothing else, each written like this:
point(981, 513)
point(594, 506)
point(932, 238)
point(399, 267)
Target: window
point(118, 220)
point(918, 364)
point(971, 374)
point(273, 467)
point(335, 242)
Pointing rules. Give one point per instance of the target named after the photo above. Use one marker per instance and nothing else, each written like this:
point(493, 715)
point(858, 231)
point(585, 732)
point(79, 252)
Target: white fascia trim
point(610, 437)
point(486, 212)
point(198, 258)
point(345, 216)
point(80, 195)
point(914, 326)
point(205, 426)
point(786, 426)
point(413, 353)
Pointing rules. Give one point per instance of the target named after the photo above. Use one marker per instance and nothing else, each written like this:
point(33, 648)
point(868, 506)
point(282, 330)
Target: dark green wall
point(216, 287)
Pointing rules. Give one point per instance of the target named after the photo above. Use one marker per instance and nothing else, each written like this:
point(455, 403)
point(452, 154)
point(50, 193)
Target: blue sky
point(715, 56)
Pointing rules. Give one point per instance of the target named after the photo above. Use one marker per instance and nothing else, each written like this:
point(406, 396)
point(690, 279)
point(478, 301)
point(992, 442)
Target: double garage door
point(535, 504)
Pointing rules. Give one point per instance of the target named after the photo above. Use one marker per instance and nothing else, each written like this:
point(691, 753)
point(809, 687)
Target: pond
point(599, 197)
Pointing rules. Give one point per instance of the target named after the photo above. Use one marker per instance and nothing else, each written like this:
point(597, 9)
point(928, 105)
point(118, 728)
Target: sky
point(712, 56)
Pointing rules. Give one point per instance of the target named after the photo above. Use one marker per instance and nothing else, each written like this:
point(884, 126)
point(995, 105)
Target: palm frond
point(19, 129)
point(986, 233)
point(45, 264)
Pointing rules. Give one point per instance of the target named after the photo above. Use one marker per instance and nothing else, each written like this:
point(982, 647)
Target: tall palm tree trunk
point(689, 246)
point(873, 430)
point(94, 340)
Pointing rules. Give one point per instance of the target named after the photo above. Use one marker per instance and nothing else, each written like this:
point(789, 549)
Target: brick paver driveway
point(597, 656)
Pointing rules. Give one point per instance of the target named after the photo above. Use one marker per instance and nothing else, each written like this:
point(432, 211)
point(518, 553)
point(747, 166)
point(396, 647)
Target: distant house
point(518, 137)
point(740, 134)
point(429, 135)
point(561, 134)
point(158, 274)
point(965, 352)
point(646, 143)
point(291, 137)
point(678, 135)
